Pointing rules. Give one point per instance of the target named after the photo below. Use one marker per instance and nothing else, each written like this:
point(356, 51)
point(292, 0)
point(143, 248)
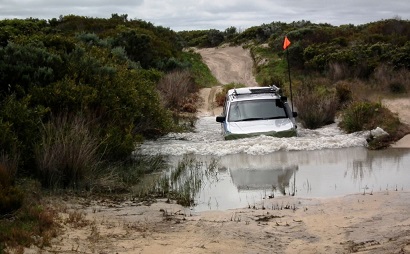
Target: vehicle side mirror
point(220, 119)
point(295, 114)
point(279, 103)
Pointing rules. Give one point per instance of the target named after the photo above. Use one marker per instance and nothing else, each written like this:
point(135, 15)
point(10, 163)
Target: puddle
point(318, 163)
point(242, 180)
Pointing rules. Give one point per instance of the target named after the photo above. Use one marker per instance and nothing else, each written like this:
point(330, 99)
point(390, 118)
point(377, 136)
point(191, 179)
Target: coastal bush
point(366, 115)
point(343, 93)
point(20, 123)
point(359, 116)
point(200, 72)
point(270, 69)
point(317, 106)
point(397, 88)
point(175, 88)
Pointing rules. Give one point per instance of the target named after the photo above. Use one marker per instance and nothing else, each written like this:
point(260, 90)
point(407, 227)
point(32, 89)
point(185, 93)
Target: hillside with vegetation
point(336, 71)
point(78, 94)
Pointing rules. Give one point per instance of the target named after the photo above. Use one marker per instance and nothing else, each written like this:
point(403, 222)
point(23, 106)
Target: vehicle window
point(256, 110)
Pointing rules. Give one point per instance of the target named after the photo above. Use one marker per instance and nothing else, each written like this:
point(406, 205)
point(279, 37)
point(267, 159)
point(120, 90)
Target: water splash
point(207, 140)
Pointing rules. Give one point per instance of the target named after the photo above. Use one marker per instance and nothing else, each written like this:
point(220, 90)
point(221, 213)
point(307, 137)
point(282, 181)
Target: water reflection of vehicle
point(263, 179)
point(241, 179)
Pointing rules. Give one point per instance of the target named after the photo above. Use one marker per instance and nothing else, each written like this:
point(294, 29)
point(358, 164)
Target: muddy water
point(320, 163)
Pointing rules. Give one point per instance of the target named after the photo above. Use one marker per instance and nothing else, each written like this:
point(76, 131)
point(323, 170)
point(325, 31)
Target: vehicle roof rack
point(256, 90)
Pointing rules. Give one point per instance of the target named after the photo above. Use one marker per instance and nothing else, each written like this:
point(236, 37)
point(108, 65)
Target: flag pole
point(286, 44)
point(290, 80)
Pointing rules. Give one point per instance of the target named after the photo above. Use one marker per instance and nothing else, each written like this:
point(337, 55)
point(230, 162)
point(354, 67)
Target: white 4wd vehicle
point(253, 111)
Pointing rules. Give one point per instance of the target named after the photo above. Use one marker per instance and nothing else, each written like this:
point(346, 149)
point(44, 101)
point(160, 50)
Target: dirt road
point(230, 64)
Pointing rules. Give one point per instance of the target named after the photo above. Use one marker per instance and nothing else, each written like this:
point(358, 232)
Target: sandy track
point(230, 64)
point(208, 106)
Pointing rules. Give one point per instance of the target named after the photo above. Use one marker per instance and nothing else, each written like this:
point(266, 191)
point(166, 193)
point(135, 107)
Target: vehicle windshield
point(256, 110)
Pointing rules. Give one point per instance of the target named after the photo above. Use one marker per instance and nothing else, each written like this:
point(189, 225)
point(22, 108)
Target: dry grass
point(390, 80)
point(384, 81)
point(338, 71)
point(76, 219)
point(176, 89)
point(67, 155)
point(8, 168)
point(317, 104)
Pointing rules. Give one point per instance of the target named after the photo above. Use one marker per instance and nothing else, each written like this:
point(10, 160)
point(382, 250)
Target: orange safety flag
point(286, 43)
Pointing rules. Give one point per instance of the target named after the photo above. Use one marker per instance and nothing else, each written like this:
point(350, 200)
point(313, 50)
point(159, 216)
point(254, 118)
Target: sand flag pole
point(286, 44)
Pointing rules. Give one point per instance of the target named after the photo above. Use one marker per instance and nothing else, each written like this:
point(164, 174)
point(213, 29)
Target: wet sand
point(370, 223)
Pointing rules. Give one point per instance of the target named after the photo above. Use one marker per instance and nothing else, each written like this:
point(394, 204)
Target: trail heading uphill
point(228, 65)
point(235, 65)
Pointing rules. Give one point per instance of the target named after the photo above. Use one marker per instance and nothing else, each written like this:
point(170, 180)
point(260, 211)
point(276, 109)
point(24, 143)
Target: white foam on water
point(207, 140)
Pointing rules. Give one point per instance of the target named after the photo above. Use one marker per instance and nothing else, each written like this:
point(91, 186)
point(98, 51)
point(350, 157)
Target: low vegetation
point(366, 115)
point(33, 223)
point(316, 108)
point(183, 182)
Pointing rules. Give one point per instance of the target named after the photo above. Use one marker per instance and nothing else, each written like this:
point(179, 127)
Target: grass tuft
point(317, 106)
point(67, 155)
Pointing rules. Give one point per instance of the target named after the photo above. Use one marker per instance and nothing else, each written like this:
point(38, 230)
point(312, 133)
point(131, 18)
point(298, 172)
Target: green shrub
point(8, 168)
point(25, 66)
point(11, 197)
point(364, 115)
point(20, 123)
point(360, 115)
point(8, 138)
point(199, 70)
